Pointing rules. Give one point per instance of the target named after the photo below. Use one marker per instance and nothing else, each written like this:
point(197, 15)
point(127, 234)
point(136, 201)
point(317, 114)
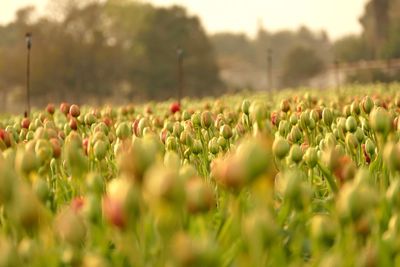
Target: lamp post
point(269, 68)
point(179, 54)
point(28, 38)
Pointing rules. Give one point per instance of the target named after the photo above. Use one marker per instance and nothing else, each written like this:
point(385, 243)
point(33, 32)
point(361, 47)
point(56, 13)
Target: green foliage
point(299, 65)
point(115, 48)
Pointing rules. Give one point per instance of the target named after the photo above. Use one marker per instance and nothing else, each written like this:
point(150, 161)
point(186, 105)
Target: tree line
point(104, 49)
point(302, 54)
point(95, 50)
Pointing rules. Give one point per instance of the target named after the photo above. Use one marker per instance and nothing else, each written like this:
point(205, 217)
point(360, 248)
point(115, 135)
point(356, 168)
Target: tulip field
point(289, 178)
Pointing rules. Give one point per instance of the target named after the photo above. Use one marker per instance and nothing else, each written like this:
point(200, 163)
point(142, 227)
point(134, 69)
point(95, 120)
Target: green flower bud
point(393, 194)
point(391, 155)
point(172, 160)
point(226, 131)
point(41, 189)
point(255, 158)
point(355, 108)
point(163, 184)
point(370, 147)
point(296, 154)
point(296, 134)
point(186, 115)
point(245, 106)
point(177, 130)
point(327, 116)
point(380, 120)
point(351, 124)
point(70, 227)
point(304, 119)
point(206, 119)
point(171, 143)
point(100, 149)
point(90, 119)
point(123, 131)
point(222, 142)
point(352, 142)
point(196, 119)
point(311, 124)
point(95, 183)
point(354, 201)
point(197, 147)
point(367, 104)
point(213, 146)
point(293, 119)
point(359, 135)
point(314, 115)
point(280, 147)
point(311, 157)
point(347, 111)
point(283, 128)
point(199, 196)
point(257, 112)
point(285, 105)
point(26, 161)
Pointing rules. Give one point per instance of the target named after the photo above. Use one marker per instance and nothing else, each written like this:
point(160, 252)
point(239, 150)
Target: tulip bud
point(172, 160)
point(327, 116)
point(213, 146)
point(121, 202)
point(391, 155)
point(177, 129)
point(100, 149)
point(163, 184)
point(206, 119)
point(283, 128)
point(123, 131)
point(293, 119)
point(280, 147)
point(355, 108)
point(171, 143)
point(196, 119)
point(7, 180)
point(314, 115)
point(74, 111)
point(70, 227)
point(311, 157)
point(296, 154)
point(26, 208)
point(199, 196)
point(197, 147)
point(226, 131)
point(380, 120)
point(367, 104)
point(64, 108)
point(260, 228)
point(245, 106)
point(41, 189)
point(285, 105)
point(351, 124)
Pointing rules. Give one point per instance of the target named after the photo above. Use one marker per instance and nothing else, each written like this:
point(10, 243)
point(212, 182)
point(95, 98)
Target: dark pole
point(337, 82)
point(269, 68)
point(179, 54)
point(28, 37)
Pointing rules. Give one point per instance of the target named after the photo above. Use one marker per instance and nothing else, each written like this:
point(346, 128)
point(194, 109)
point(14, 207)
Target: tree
point(97, 49)
point(300, 65)
point(351, 48)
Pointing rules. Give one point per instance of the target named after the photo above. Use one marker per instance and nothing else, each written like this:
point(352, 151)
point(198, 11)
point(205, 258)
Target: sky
point(336, 17)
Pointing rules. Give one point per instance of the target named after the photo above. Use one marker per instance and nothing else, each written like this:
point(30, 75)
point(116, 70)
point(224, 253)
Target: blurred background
point(118, 51)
